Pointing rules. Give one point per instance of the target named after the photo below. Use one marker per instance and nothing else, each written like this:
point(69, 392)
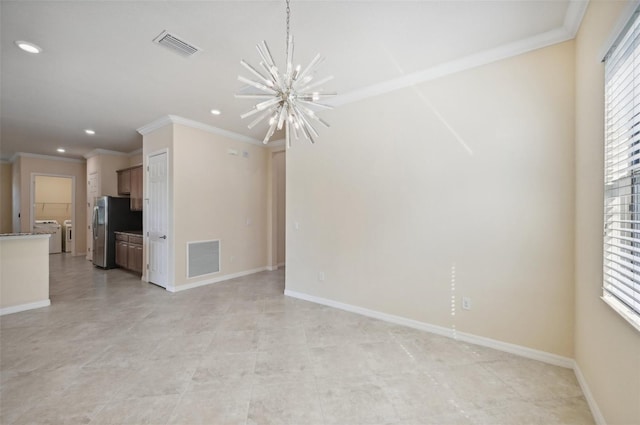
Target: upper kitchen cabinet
point(124, 182)
point(136, 188)
point(130, 184)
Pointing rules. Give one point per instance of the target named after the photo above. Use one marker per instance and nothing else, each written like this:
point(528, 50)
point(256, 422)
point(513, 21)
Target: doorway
point(53, 200)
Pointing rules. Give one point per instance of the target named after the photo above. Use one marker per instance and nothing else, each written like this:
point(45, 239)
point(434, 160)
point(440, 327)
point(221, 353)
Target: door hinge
point(147, 267)
point(147, 168)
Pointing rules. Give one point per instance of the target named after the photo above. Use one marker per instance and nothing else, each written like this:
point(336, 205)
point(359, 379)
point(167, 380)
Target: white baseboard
point(173, 288)
point(276, 267)
point(591, 401)
point(24, 307)
point(519, 350)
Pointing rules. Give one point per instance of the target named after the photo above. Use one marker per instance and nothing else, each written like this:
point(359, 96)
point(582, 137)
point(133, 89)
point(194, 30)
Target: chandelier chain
point(286, 42)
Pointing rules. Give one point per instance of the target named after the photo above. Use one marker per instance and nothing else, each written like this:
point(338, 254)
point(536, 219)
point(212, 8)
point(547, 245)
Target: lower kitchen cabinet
point(129, 251)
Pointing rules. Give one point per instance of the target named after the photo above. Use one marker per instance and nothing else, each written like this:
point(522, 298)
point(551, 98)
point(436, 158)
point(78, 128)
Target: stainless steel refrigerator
point(111, 214)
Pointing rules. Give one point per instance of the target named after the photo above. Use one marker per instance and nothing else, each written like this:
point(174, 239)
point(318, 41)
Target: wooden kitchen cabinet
point(130, 184)
point(134, 254)
point(124, 181)
point(122, 247)
point(136, 188)
point(129, 251)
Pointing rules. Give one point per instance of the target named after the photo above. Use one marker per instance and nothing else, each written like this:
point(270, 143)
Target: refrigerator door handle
point(95, 223)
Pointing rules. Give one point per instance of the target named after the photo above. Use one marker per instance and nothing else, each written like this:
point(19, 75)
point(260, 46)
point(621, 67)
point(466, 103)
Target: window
point(621, 288)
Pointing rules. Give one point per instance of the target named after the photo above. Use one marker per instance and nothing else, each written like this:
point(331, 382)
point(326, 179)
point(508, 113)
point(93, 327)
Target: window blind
point(621, 285)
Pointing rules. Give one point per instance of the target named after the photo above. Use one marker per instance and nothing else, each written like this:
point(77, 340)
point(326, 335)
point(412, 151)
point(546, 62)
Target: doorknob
point(163, 237)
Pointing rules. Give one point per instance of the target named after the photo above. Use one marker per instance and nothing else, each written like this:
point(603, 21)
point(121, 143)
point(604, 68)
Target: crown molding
point(96, 152)
point(573, 19)
point(46, 157)
point(155, 125)
point(174, 119)
point(136, 152)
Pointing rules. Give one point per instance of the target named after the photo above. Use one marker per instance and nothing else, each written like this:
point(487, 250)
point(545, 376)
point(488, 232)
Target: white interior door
point(158, 218)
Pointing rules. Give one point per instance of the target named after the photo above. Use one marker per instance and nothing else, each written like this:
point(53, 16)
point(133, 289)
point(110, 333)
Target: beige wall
point(135, 159)
point(106, 166)
point(279, 164)
point(400, 213)
point(213, 195)
point(26, 166)
point(53, 198)
point(24, 270)
point(607, 348)
point(6, 224)
point(219, 196)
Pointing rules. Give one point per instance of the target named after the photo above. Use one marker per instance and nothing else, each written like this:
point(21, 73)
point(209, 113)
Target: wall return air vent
point(203, 258)
point(174, 43)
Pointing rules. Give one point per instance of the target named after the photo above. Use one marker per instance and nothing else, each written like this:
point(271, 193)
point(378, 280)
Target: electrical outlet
point(321, 276)
point(466, 303)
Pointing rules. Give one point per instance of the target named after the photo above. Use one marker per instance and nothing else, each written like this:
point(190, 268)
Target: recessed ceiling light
point(90, 132)
point(61, 150)
point(28, 47)
point(215, 112)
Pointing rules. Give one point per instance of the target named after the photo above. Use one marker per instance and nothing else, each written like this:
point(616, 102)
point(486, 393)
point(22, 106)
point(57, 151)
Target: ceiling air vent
point(174, 43)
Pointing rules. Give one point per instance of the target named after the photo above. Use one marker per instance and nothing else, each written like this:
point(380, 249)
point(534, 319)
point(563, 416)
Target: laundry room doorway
point(53, 210)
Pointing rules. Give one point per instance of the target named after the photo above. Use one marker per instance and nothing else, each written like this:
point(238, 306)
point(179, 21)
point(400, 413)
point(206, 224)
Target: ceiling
point(99, 68)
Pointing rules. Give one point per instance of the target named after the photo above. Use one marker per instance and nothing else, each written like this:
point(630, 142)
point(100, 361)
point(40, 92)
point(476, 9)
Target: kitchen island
point(24, 272)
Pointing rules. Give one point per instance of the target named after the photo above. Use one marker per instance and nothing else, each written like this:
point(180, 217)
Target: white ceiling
point(101, 70)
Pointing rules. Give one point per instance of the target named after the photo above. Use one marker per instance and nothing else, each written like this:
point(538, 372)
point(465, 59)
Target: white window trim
point(622, 309)
point(629, 314)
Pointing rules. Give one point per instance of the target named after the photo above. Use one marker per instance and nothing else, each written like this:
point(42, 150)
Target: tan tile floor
point(114, 350)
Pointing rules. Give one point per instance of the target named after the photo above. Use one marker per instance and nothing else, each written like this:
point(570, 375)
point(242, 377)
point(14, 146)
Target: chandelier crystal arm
point(272, 130)
point(319, 105)
point(260, 118)
point(265, 53)
point(315, 62)
point(253, 96)
point(256, 85)
point(317, 83)
point(313, 115)
point(255, 72)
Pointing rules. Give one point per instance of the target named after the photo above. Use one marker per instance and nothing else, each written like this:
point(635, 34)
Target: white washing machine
point(53, 228)
point(67, 241)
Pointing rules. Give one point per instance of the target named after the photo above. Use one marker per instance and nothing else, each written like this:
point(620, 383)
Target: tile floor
point(114, 350)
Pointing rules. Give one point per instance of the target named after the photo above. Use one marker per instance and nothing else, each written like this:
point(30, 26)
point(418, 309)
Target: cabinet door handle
point(163, 237)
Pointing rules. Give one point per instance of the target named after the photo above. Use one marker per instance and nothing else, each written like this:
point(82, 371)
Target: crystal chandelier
point(288, 99)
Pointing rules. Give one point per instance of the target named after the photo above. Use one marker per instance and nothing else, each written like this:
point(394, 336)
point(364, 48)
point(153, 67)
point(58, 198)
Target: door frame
point(32, 200)
point(145, 219)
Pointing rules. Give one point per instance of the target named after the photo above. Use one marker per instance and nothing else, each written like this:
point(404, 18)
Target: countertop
point(130, 232)
point(7, 236)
